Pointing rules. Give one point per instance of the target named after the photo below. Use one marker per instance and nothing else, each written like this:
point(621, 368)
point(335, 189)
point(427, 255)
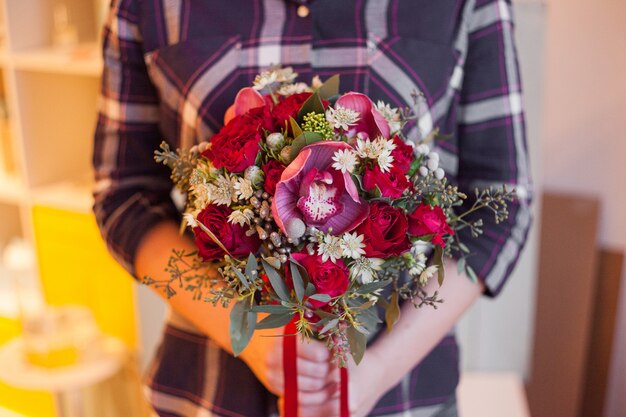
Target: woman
point(172, 67)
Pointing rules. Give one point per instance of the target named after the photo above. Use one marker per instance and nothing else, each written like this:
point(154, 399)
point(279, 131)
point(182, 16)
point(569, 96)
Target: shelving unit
point(49, 83)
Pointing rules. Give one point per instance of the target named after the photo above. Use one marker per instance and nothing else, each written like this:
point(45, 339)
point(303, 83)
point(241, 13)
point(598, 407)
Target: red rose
point(427, 220)
point(236, 145)
point(327, 277)
point(288, 107)
point(391, 183)
point(232, 236)
point(402, 155)
point(272, 169)
point(384, 231)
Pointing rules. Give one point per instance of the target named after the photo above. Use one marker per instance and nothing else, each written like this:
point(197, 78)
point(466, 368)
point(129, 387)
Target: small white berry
point(433, 156)
point(432, 164)
point(423, 171)
point(295, 228)
point(423, 149)
point(439, 173)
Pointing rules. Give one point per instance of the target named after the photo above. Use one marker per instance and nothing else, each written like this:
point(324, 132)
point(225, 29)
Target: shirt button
point(303, 11)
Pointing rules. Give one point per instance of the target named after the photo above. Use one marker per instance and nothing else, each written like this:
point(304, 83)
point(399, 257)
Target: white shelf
point(67, 195)
point(83, 60)
point(11, 189)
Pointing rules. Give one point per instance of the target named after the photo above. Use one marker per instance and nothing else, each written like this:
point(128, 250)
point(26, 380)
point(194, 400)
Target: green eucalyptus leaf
point(278, 284)
point(323, 298)
point(373, 286)
point(272, 309)
point(241, 276)
point(273, 321)
point(438, 260)
point(312, 105)
point(330, 88)
point(460, 265)
point(392, 312)
point(357, 342)
point(332, 323)
point(252, 267)
point(298, 282)
point(242, 322)
point(310, 290)
point(471, 273)
point(306, 138)
point(296, 130)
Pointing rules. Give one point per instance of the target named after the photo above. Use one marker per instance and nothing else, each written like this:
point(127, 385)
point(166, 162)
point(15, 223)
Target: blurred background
point(553, 344)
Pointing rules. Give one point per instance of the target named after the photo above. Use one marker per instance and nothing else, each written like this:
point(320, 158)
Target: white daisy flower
point(330, 248)
point(341, 117)
point(385, 145)
point(345, 160)
point(243, 188)
point(352, 245)
point(365, 269)
point(285, 75)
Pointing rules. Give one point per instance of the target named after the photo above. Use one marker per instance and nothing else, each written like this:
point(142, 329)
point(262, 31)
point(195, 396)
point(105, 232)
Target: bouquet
point(317, 211)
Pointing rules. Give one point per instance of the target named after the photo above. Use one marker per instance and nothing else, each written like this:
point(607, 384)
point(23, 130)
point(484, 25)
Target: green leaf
point(310, 290)
point(330, 88)
point(323, 298)
point(277, 282)
point(332, 323)
point(357, 342)
point(392, 312)
point(464, 247)
point(415, 165)
point(438, 260)
point(241, 276)
point(274, 262)
point(298, 282)
point(471, 273)
point(242, 322)
point(252, 267)
point(312, 105)
point(460, 266)
point(306, 138)
point(373, 286)
point(273, 321)
point(296, 130)
point(272, 309)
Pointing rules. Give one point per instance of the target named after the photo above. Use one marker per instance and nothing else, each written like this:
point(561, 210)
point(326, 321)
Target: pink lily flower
point(247, 98)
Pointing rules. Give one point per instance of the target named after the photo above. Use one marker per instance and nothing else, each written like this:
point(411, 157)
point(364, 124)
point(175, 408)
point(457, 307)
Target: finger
point(314, 351)
point(307, 384)
point(314, 369)
point(328, 409)
point(328, 393)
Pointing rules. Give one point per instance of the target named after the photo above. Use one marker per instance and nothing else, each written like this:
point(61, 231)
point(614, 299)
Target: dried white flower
point(243, 188)
point(190, 219)
point(330, 248)
point(255, 175)
point(275, 140)
point(366, 148)
point(345, 160)
point(341, 117)
point(241, 217)
point(264, 80)
point(352, 245)
point(385, 161)
point(316, 82)
point(222, 191)
point(291, 89)
point(391, 115)
point(427, 274)
point(365, 269)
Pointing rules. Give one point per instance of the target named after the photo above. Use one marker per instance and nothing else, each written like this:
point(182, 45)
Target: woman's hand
point(367, 385)
point(264, 356)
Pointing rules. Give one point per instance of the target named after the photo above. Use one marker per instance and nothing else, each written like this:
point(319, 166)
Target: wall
point(584, 128)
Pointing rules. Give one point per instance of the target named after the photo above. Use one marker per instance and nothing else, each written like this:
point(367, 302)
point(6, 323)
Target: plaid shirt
point(172, 67)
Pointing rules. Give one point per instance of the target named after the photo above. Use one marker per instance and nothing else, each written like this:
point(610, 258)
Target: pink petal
point(247, 98)
point(372, 122)
point(353, 214)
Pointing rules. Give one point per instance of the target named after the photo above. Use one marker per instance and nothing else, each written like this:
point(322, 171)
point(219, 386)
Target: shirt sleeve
point(132, 191)
point(492, 142)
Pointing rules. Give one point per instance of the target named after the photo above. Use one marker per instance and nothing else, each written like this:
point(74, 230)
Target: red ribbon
point(290, 369)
